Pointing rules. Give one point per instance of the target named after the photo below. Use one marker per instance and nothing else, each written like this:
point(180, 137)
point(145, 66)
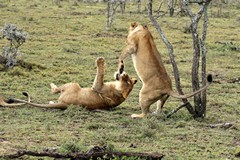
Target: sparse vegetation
point(16, 38)
point(64, 43)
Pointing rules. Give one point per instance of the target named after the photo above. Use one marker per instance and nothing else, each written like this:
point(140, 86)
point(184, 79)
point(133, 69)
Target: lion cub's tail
point(11, 102)
point(18, 102)
point(176, 95)
point(54, 105)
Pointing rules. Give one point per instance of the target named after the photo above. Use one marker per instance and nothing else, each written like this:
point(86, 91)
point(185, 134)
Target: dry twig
point(225, 125)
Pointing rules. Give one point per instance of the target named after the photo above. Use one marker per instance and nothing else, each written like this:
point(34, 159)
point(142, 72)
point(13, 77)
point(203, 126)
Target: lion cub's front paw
point(121, 67)
point(137, 115)
point(100, 61)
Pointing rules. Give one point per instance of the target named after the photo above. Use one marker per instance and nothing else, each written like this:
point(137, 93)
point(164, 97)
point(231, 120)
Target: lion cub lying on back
point(100, 96)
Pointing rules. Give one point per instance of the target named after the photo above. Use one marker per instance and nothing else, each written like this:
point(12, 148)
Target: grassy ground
point(64, 42)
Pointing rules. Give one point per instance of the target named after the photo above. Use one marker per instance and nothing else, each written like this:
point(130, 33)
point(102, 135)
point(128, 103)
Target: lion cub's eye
point(133, 25)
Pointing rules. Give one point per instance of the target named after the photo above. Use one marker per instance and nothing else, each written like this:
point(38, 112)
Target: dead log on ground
point(85, 156)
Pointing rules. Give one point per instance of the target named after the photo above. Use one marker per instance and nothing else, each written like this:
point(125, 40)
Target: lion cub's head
point(134, 27)
point(125, 84)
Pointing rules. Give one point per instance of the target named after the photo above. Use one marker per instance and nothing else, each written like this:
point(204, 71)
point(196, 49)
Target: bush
point(16, 38)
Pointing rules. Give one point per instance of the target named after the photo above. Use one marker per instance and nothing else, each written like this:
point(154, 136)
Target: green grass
point(64, 42)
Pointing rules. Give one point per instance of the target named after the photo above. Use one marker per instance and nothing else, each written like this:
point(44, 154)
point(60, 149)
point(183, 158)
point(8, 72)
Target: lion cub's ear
point(134, 80)
point(125, 94)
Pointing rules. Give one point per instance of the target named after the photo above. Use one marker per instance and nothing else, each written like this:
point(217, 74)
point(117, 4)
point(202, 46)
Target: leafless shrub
point(16, 38)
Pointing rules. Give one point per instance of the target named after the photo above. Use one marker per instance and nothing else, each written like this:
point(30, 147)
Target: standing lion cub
point(157, 85)
point(100, 96)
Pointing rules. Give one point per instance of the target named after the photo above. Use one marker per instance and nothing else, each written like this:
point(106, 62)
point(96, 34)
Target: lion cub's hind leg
point(160, 104)
point(98, 81)
point(54, 88)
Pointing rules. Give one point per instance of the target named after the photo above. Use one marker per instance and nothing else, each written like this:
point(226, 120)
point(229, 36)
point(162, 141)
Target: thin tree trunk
point(108, 13)
point(204, 54)
point(171, 7)
point(199, 104)
point(111, 10)
point(138, 6)
point(195, 68)
point(196, 57)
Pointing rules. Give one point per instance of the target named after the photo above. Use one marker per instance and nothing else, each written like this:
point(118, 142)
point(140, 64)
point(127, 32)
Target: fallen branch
point(225, 125)
point(222, 125)
point(177, 109)
point(85, 156)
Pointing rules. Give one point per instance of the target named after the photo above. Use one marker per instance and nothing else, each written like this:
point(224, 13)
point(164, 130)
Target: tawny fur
point(156, 83)
point(100, 96)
